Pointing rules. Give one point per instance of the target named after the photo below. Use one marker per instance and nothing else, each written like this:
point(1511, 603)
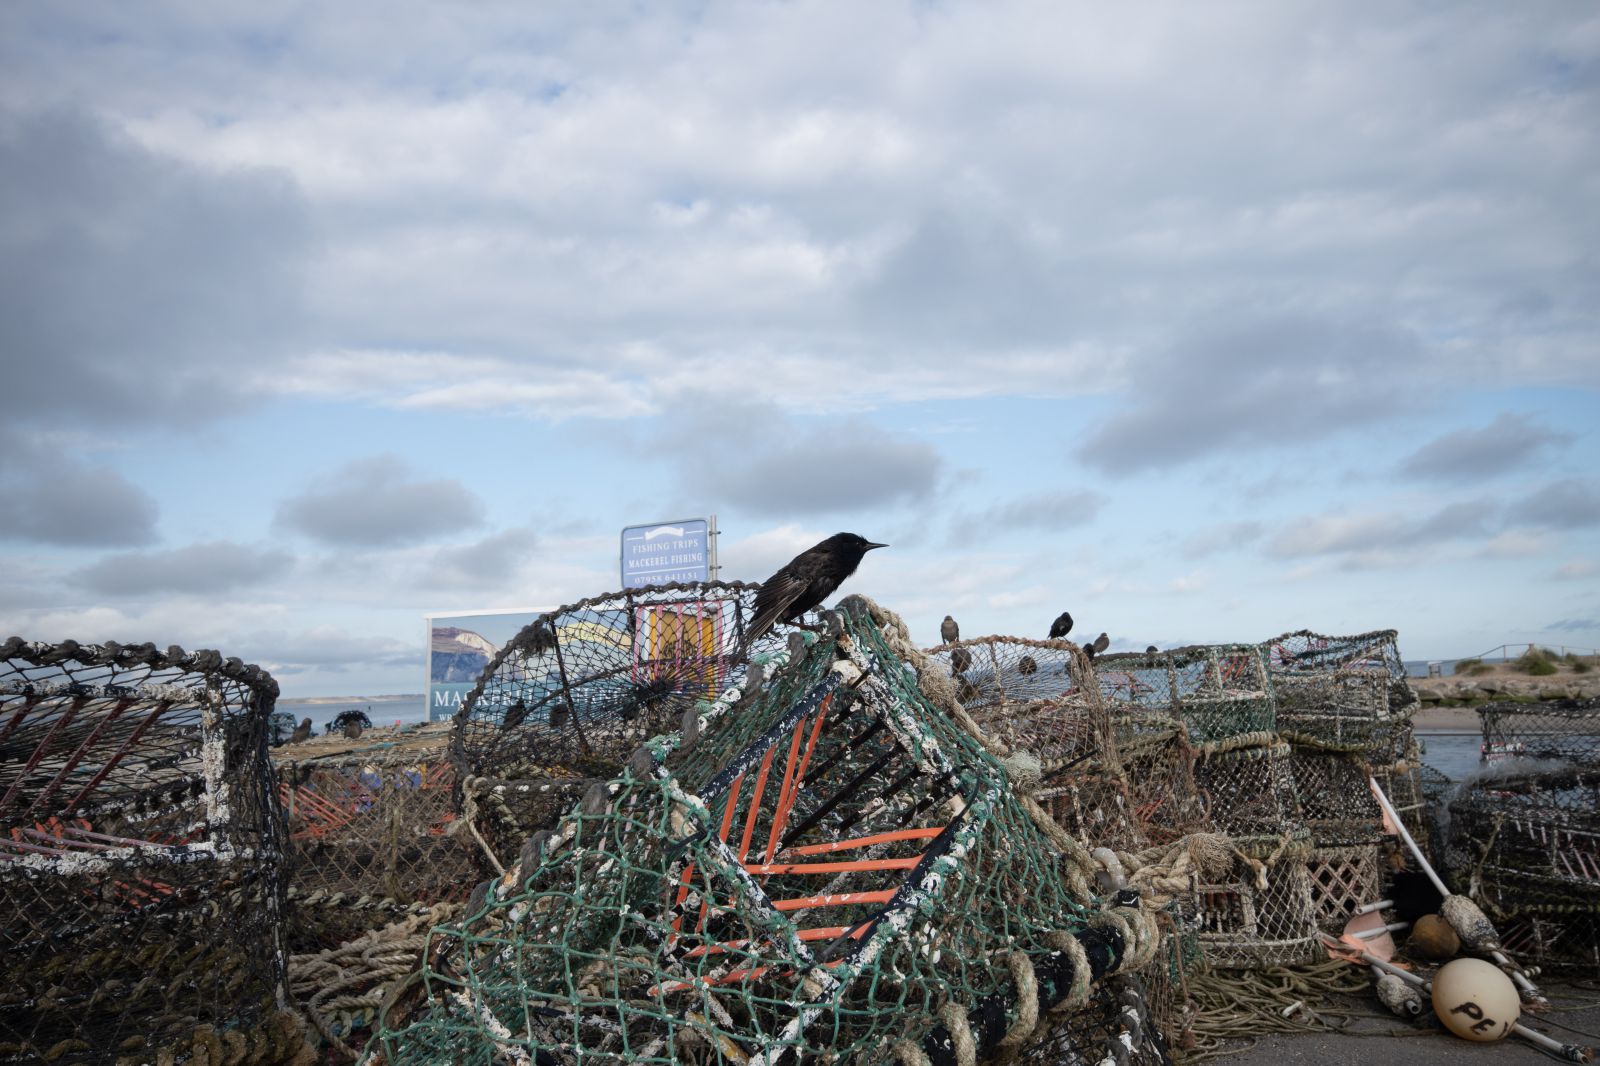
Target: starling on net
point(1061, 626)
point(301, 732)
point(806, 580)
point(949, 632)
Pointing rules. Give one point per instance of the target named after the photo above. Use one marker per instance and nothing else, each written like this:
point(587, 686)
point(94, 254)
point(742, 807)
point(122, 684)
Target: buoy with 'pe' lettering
point(1475, 999)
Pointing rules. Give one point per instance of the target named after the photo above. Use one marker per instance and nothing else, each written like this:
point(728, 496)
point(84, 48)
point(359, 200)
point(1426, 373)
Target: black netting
point(140, 856)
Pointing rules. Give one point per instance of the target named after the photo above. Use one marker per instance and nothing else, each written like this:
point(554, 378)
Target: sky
point(1203, 322)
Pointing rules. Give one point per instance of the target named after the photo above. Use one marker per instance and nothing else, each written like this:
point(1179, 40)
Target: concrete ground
point(1576, 1005)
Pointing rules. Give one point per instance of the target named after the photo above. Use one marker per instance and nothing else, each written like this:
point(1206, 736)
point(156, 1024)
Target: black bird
point(301, 732)
point(949, 632)
point(1061, 626)
point(1026, 665)
point(515, 714)
point(1151, 650)
point(960, 661)
point(806, 580)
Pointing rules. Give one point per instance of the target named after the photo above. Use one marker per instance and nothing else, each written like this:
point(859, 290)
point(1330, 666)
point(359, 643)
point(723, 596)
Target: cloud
point(1046, 511)
point(1571, 503)
point(1506, 443)
point(1576, 570)
point(140, 289)
point(51, 498)
point(772, 466)
point(378, 502)
point(199, 569)
point(1229, 535)
point(492, 560)
point(1385, 532)
point(1574, 625)
point(1253, 385)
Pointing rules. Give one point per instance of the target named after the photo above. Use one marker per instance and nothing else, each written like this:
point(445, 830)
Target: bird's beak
point(871, 545)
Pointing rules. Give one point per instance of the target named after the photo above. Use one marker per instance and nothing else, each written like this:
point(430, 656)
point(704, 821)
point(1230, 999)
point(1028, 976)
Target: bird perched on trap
point(805, 581)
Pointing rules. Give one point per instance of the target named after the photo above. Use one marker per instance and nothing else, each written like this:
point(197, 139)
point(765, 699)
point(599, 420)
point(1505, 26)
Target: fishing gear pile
point(821, 863)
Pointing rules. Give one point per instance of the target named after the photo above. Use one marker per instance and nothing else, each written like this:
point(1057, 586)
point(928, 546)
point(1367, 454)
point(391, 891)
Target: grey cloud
point(489, 560)
point(837, 466)
point(1220, 538)
point(1574, 625)
point(139, 289)
point(1571, 503)
point(1047, 511)
point(199, 569)
point(1334, 534)
point(1469, 454)
point(1257, 386)
point(60, 501)
point(378, 502)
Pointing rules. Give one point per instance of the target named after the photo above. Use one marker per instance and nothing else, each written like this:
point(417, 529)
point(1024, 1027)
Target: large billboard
point(666, 553)
point(460, 645)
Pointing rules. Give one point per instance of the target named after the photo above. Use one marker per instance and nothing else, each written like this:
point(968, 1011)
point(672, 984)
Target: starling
point(949, 632)
point(1101, 643)
point(1061, 626)
point(301, 731)
point(806, 580)
point(352, 729)
point(1026, 665)
point(515, 714)
point(960, 661)
point(559, 715)
point(967, 691)
point(1151, 650)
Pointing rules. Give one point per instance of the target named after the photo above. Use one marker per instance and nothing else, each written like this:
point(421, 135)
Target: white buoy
point(1475, 999)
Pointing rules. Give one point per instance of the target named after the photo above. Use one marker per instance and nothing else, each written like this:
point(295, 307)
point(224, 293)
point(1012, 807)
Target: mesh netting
point(1526, 847)
point(1217, 691)
point(140, 854)
point(1260, 916)
point(823, 865)
point(996, 671)
point(1341, 693)
point(373, 821)
point(578, 688)
point(1556, 729)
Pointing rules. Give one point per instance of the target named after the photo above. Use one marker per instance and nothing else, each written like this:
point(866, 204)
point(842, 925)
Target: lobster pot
point(1217, 691)
point(141, 885)
point(1071, 732)
point(1336, 801)
point(1364, 674)
point(1251, 794)
point(1158, 768)
point(1526, 847)
point(1240, 925)
point(1343, 710)
point(379, 831)
point(1568, 730)
point(1342, 879)
point(578, 688)
point(993, 671)
point(1095, 808)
